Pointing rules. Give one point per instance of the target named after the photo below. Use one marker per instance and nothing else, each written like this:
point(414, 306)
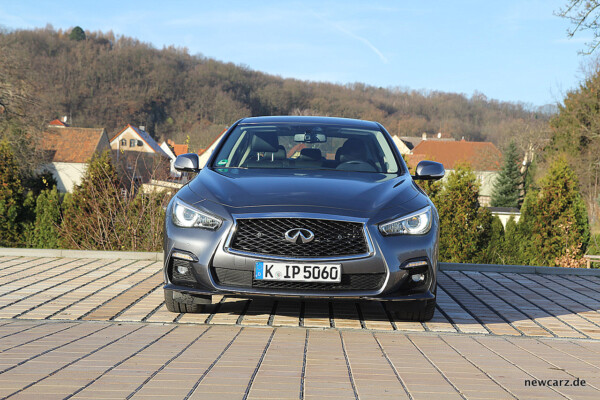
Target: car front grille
point(266, 236)
point(244, 279)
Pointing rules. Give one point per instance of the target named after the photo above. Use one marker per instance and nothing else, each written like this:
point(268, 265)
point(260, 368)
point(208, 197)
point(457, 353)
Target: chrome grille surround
point(328, 245)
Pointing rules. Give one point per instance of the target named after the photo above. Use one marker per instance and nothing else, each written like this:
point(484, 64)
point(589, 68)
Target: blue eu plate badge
point(258, 271)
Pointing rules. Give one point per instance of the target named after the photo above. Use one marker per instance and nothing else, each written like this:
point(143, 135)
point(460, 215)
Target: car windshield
point(307, 146)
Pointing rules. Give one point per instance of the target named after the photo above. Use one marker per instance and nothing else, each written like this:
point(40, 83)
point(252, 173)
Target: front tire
point(178, 307)
point(421, 312)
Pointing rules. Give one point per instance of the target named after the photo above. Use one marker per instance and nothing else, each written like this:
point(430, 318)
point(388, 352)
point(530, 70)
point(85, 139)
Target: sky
point(508, 50)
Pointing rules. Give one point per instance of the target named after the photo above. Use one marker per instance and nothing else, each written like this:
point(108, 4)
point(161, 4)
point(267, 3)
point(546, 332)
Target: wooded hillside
point(107, 81)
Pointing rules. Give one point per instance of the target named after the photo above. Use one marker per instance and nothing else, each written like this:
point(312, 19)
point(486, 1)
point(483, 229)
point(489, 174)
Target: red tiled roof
point(57, 123)
point(482, 156)
point(71, 145)
point(180, 149)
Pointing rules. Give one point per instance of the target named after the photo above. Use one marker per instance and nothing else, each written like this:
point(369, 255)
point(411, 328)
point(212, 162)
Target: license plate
point(268, 271)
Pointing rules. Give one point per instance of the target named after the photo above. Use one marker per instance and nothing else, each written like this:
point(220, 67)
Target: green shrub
point(554, 227)
point(464, 224)
point(495, 251)
point(47, 220)
point(11, 198)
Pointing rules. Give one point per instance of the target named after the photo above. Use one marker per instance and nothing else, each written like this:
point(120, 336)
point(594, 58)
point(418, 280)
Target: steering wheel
point(356, 165)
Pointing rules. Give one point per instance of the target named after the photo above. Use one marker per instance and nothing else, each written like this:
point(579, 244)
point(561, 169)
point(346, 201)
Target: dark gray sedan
point(304, 207)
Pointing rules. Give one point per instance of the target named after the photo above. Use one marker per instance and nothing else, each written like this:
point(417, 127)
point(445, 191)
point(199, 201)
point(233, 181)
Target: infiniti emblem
point(299, 235)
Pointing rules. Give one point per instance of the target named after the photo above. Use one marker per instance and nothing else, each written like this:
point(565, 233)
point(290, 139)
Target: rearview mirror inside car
point(310, 137)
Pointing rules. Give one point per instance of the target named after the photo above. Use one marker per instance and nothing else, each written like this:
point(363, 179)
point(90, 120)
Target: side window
point(140, 143)
point(233, 150)
point(389, 162)
point(124, 142)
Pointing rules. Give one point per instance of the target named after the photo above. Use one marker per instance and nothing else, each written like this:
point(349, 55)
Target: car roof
point(351, 123)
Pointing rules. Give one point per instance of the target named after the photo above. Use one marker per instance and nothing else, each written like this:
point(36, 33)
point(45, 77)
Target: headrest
point(265, 142)
point(353, 149)
point(280, 154)
point(310, 154)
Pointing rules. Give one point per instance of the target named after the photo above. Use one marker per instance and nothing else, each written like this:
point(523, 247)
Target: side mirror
point(429, 170)
point(187, 162)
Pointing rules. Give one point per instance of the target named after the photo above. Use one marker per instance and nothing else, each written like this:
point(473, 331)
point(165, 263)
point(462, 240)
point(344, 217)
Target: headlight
point(186, 216)
point(417, 223)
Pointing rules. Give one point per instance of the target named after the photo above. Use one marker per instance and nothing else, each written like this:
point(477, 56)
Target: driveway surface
point(98, 328)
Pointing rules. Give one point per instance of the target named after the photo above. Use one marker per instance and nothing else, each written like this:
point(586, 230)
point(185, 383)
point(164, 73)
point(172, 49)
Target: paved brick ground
point(488, 303)
point(108, 360)
point(97, 328)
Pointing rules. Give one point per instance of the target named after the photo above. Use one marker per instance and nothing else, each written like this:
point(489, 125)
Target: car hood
point(315, 188)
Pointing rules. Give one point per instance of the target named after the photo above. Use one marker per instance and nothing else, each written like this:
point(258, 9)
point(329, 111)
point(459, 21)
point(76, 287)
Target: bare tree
point(112, 212)
point(584, 15)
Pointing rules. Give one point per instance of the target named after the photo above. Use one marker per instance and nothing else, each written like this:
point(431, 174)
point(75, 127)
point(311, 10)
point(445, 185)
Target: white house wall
point(67, 175)
point(206, 155)
point(486, 180)
point(505, 216)
point(174, 173)
point(402, 148)
point(129, 134)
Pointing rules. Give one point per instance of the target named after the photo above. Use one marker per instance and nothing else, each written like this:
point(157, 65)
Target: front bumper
point(387, 259)
point(426, 295)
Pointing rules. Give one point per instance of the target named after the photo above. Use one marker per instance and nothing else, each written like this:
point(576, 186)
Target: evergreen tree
point(512, 244)
point(11, 197)
point(77, 34)
point(507, 187)
point(464, 224)
point(554, 221)
point(529, 178)
point(432, 189)
point(27, 219)
point(47, 220)
point(495, 252)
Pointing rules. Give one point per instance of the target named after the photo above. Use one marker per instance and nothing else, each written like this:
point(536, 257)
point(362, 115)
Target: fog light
point(182, 270)
point(417, 277)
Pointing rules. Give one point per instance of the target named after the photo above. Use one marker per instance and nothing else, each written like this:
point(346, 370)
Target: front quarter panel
point(200, 242)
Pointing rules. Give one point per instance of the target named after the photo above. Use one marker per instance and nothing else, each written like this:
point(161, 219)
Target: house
point(506, 213)
point(67, 151)
point(131, 138)
point(205, 155)
point(178, 149)
point(138, 155)
point(484, 158)
point(402, 146)
point(173, 150)
point(406, 144)
point(57, 123)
